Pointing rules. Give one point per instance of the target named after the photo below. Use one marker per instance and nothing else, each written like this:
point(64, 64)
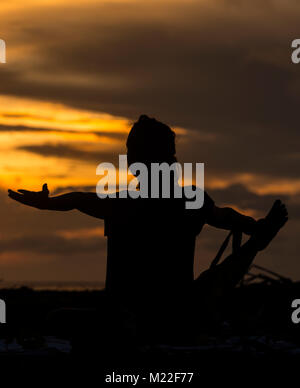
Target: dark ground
point(257, 338)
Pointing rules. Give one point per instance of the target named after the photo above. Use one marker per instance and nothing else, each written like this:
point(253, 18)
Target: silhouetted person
point(151, 242)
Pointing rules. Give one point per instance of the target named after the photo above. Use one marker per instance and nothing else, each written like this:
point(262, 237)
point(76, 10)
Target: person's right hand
point(36, 199)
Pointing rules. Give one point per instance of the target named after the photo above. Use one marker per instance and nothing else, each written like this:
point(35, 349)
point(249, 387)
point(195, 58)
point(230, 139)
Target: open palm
point(31, 198)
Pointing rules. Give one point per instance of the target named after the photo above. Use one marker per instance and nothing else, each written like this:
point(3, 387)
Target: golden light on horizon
point(32, 123)
point(16, 111)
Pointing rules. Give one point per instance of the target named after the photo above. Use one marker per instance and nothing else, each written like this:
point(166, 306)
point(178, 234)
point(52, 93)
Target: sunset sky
point(79, 73)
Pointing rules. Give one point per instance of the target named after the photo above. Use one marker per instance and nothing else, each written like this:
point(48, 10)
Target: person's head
point(150, 141)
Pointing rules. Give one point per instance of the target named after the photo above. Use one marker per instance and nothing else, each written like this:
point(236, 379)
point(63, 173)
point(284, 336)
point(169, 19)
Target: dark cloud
point(244, 198)
point(221, 68)
point(24, 128)
point(50, 244)
point(69, 152)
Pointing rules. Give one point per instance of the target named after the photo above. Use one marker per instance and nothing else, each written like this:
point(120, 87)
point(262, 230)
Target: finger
point(24, 191)
point(14, 193)
point(11, 192)
point(16, 196)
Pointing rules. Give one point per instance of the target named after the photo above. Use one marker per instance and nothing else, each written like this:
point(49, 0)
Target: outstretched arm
point(88, 203)
point(227, 218)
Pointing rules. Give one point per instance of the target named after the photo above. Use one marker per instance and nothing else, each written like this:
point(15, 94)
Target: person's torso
point(150, 246)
